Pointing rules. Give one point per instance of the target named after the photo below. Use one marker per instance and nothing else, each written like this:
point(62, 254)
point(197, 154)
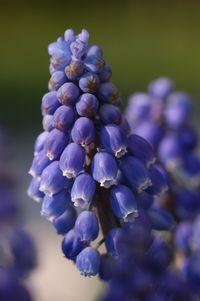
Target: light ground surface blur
point(55, 278)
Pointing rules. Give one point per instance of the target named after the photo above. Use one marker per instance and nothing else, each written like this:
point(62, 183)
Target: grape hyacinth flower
point(176, 147)
point(88, 172)
point(55, 205)
point(87, 226)
point(87, 105)
point(177, 152)
point(63, 118)
point(112, 240)
point(113, 140)
point(104, 169)
point(66, 221)
point(88, 261)
point(55, 144)
point(83, 190)
point(72, 160)
point(72, 245)
point(123, 202)
point(17, 249)
point(141, 270)
point(187, 244)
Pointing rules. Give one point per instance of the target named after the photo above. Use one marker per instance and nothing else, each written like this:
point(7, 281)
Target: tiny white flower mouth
point(107, 183)
point(150, 162)
point(80, 202)
point(50, 156)
point(120, 152)
point(33, 197)
point(37, 199)
point(131, 216)
point(32, 173)
point(147, 183)
point(69, 173)
point(84, 144)
point(47, 216)
point(44, 189)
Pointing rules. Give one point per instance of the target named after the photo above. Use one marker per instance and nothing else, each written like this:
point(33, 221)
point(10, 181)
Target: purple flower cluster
point(87, 168)
point(141, 270)
point(163, 117)
point(187, 243)
point(17, 250)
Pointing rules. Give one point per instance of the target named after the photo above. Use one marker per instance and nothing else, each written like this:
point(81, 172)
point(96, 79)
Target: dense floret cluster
point(87, 168)
point(163, 117)
point(17, 250)
point(141, 271)
point(187, 243)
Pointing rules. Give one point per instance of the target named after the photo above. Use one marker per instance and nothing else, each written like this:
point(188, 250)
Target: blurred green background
point(141, 40)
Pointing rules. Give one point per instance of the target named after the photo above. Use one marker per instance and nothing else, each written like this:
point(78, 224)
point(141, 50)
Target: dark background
point(141, 40)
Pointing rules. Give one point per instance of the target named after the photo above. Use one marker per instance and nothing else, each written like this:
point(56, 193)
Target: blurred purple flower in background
point(17, 249)
point(179, 161)
point(142, 268)
point(177, 146)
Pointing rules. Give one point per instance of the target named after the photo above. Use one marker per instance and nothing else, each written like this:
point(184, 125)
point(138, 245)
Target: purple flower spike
point(90, 170)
